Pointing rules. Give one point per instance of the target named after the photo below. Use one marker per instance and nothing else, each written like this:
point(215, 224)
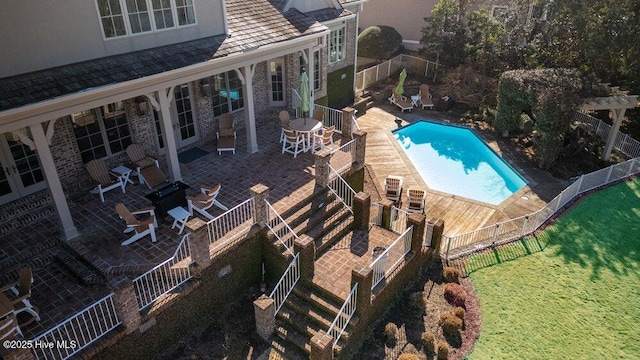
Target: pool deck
point(460, 215)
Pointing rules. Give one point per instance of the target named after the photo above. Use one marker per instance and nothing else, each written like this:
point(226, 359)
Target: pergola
point(616, 105)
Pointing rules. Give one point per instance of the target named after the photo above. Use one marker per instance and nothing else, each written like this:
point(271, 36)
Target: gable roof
point(323, 15)
point(252, 23)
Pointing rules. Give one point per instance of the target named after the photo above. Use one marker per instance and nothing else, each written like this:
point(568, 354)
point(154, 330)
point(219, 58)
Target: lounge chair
point(425, 97)
point(146, 167)
point(9, 327)
point(19, 294)
point(401, 101)
point(103, 178)
point(141, 227)
point(284, 122)
point(226, 134)
point(320, 141)
point(203, 201)
point(415, 200)
point(318, 114)
point(293, 142)
point(393, 187)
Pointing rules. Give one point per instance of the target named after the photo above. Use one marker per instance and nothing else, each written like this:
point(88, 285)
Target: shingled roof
point(252, 23)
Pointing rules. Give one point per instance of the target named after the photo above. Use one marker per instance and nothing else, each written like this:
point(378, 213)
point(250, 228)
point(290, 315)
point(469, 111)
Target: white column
point(310, 72)
point(246, 76)
point(171, 149)
point(618, 114)
point(53, 181)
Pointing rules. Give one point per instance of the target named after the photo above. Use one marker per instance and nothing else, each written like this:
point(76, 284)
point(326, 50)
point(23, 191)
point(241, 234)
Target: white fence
point(165, 277)
point(339, 187)
point(280, 228)
point(288, 280)
point(79, 331)
point(385, 263)
point(398, 220)
point(230, 225)
point(375, 217)
point(514, 229)
point(623, 143)
point(344, 156)
point(344, 315)
point(331, 116)
point(367, 77)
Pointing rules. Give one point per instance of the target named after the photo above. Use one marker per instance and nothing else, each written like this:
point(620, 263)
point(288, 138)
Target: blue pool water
point(454, 160)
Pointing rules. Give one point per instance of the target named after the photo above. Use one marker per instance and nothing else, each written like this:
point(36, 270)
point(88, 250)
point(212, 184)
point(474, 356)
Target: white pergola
point(616, 105)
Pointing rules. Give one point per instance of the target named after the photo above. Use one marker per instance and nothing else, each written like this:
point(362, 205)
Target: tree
point(379, 42)
point(444, 35)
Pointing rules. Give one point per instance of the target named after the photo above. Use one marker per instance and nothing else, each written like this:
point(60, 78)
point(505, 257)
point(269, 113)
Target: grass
point(572, 292)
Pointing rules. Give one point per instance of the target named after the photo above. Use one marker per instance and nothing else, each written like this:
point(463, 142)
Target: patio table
point(306, 126)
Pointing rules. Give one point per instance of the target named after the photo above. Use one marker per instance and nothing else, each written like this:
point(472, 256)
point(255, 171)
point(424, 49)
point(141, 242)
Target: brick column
point(418, 222)
point(321, 346)
point(126, 303)
point(363, 275)
point(322, 159)
point(361, 210)
point(386, 213)
point(347, 123)
point(361, 146)
point(436, 237)
point(305, 246)
point(264, 309)
point(260, 193)
point(199, 244)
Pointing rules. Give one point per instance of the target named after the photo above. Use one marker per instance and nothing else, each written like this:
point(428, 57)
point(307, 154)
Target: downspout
point(224, 17)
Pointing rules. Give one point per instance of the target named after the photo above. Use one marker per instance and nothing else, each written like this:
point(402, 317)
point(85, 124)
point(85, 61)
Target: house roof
point(323, 15)
point(252, 23)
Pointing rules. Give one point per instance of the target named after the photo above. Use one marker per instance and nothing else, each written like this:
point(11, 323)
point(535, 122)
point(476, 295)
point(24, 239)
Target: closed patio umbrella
point(304, 93)
point(400, 88)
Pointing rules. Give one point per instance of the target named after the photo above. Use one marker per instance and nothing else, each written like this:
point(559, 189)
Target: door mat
point(192, 154)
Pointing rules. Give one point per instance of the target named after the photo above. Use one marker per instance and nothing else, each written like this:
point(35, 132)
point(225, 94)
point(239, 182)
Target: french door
point(184, 124)
point(276, 82)
point(21, 172)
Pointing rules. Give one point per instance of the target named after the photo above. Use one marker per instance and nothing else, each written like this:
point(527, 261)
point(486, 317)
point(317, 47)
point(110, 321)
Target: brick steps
point(83, 270)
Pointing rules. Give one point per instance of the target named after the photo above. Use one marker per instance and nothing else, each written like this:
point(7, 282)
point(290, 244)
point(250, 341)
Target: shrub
point(418, 301)
point(429, 342)
point(406, 356)
point(455, 294)
point(459, 313)
point(451, 275)
point(391, 331)
point(450, 324)
point(378, 42)
point(443, 350)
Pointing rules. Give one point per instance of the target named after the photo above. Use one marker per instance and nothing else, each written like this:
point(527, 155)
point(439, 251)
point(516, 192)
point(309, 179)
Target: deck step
point(290, 334)
point(282, 349)
point(81, 269)
point(331, 231)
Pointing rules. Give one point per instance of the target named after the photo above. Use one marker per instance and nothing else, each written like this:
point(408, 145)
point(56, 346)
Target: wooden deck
point(384, 156)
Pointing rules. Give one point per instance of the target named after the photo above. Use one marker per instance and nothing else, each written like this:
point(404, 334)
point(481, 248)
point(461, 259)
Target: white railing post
point(282, 231)
point(344, 315)
point(286, 283)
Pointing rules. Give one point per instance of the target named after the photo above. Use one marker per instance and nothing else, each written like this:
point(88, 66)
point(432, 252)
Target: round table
point(306, 126)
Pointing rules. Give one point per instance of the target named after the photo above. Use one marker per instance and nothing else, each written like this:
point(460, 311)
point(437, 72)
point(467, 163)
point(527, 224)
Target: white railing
point(517, 228)
point(398, 220)
point(375, 217)
point(232, 224)
point(79, 331)
point(345, 314)
point(280, 228)
point(340, 188)
point(165, 277)
point(369, 76)
point(288, 280)
point(386, 262)
point(331, 116)
point(344, 156)
point(623, 143)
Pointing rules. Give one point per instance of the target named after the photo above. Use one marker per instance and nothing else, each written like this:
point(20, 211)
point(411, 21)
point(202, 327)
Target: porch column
point(53, 181)
point(246, 76)
point(618, 114)
point(171, 149)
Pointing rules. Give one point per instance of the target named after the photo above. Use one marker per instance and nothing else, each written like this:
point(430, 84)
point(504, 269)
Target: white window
point(316, 71)
point(128, 17)
point(101, 132)
point(337, 45)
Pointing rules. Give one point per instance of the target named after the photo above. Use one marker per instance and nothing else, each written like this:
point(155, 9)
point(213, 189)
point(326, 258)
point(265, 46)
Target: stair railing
point(284, 233)
point(344, 315)
point(340, 188)
point(384, 263)
point(288, 280)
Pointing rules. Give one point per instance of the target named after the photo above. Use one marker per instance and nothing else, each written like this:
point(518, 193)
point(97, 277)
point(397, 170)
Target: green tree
point(379, 42)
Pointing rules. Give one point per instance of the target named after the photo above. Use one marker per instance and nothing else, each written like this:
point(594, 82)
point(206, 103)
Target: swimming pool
point(454, 160)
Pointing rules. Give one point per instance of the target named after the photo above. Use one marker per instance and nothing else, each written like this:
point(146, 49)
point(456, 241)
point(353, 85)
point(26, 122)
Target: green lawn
point(573, 292)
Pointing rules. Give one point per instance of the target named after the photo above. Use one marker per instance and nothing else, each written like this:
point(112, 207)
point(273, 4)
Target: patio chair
point(425, 97)
point(226, 134)
point(318, 114)
point(103, 178)
point(393, 187)
point(320, 141)
point(9, 327)
point(19, 293)
point(401, 101)
point(141, 227)
point(415, 200)
point(293, 142)
point(146, 167)
point(284, 122)
point(203, 201)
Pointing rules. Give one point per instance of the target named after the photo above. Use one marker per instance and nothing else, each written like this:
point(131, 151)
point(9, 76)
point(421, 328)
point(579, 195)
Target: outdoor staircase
point(321, 216)
point(306, 311)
